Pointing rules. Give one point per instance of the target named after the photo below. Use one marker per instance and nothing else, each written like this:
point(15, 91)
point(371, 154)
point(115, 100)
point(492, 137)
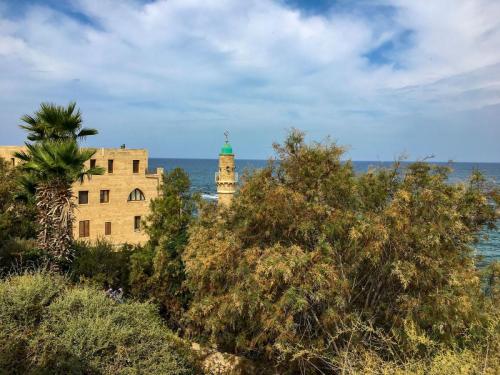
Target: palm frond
point(86, 132)
point(22, 155)
point(28, 183)
point(54, 122)
point(58, 160)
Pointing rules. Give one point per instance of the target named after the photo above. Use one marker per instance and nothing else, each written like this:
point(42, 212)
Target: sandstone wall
point(119, 211)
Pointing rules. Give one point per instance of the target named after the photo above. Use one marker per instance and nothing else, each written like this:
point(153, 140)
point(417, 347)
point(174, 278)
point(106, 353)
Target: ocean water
point(202, 175)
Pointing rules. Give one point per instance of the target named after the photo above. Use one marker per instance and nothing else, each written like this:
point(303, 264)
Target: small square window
point(135, 166)
point(83, 197)
point(137, 223)
point(107, 228)
point(92, 163)
point(110, 166)
point(84, 228)
point(104, 197)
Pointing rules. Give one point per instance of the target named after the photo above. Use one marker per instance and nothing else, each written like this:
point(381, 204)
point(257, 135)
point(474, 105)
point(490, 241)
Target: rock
point(216, 363)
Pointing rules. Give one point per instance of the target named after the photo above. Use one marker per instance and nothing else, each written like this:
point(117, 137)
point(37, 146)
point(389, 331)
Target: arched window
point(136, 195)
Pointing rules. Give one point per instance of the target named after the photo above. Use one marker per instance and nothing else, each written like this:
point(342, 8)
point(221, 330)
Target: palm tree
point(53, 166)
point(52, 163)
point(54, 122)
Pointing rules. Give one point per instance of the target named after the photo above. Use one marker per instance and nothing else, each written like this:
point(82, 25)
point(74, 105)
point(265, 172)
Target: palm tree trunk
point(55, 217)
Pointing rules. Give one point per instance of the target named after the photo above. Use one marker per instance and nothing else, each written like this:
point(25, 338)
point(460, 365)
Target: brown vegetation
point(314, 267)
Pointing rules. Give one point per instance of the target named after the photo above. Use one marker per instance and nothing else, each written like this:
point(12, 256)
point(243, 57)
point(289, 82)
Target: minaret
point(226, 178)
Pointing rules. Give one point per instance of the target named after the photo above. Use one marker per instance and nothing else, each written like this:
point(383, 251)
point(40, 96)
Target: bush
point(50, 326)
point(445, 362)
point(16, 223)
point(312, 261)
point(157, 269)
point(18, 254)
point(102, 264)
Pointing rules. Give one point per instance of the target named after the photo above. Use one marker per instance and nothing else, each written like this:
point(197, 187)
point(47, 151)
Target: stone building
point(226, 178)
point(111, 206)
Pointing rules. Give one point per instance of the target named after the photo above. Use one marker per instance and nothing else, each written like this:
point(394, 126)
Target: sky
point(383, 77)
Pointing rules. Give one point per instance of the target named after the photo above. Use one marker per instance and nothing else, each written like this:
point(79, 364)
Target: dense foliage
point(312, 269)
point(154, 271)
point(157, 271)
point(48, 326)
point(17, 226)
point(313, 265)
point(102, 264)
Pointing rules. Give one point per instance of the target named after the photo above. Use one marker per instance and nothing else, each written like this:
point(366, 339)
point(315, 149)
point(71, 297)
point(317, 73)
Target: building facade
point(111, 206)
point(226, 178)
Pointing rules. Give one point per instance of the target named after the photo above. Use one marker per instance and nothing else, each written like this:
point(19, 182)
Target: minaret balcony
point(220, 177)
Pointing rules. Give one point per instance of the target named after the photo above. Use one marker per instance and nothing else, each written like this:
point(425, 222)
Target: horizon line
point(353, 160)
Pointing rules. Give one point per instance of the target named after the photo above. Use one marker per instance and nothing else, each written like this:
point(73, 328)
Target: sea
point(202, 175)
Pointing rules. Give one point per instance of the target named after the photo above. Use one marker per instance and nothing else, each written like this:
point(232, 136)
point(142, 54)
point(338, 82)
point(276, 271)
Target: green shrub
point(312, 261)
point(23, 302)
point(157, 269)
point(50, 326)
point(16, 223)
point(102, 264)
point(17, 255)
point(24, 299)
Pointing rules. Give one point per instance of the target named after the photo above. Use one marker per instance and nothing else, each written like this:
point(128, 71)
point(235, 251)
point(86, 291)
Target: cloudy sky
point(384, 77)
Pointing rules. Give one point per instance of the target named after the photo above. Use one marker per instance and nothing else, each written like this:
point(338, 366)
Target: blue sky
point(384, 77)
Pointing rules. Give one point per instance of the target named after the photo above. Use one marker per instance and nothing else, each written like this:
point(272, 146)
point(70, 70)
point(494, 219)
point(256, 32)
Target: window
point(107, 228)
point(137, 223)
point(84, 228)
point(92, 163)
point(135, 166)
point(104, 198)
point(136, 195)
point(110, 165)
point(83, 197)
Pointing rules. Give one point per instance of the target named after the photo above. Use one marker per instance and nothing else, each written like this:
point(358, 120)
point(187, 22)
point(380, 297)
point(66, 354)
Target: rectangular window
point(84, 227)
point(107, 228)
point(83, 197)
point(135, 166)
point(92, 163)
point(137, 223)
point(110, 166)
point(104, 196)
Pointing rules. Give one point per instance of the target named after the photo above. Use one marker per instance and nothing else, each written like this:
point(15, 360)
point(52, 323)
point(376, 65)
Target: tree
point(54, 122)
point(55, 166)
point(16, 220)
point(51, 165)
point(313, 265)
point(158, 270)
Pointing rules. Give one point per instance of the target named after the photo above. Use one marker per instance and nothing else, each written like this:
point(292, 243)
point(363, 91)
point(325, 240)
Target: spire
point(226, 149)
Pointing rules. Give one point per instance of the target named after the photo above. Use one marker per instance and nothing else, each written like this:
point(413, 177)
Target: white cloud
point(213, 64)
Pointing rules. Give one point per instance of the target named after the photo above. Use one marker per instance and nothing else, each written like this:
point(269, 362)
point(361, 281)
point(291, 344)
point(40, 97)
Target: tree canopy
point(313, 262)
point(55, 122)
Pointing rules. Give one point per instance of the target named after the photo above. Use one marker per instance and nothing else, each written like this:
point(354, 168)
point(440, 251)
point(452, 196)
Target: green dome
point(226, 149)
